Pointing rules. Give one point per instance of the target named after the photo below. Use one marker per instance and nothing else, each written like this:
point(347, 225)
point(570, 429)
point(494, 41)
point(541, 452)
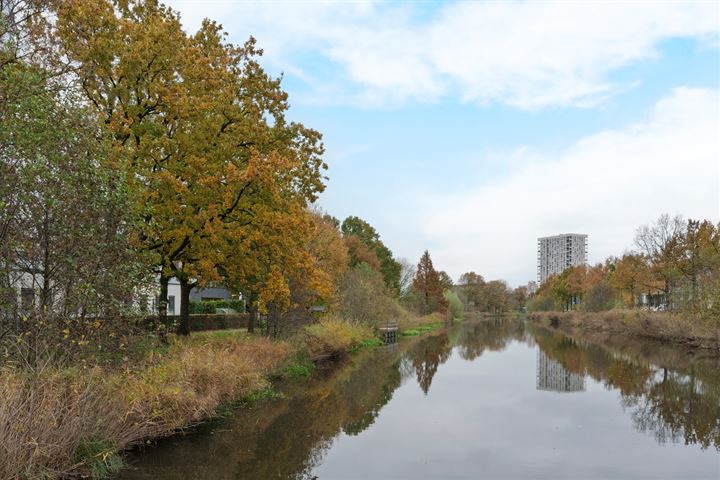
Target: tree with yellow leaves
point(199, 130)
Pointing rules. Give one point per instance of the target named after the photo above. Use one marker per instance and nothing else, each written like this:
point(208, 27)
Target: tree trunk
point(184, 325)
point(252, 309)
point(162, 300)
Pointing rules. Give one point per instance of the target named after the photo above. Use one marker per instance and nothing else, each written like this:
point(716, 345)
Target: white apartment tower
point(556, 253)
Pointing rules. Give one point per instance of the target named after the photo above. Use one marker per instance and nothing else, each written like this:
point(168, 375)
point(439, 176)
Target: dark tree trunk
point(184, 325)
point(252, 309)
point(162, 301)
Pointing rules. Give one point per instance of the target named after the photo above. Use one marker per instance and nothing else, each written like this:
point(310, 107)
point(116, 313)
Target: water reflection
point(427, 357)
point(551, 376)
point(673, 405)
point(293, 436)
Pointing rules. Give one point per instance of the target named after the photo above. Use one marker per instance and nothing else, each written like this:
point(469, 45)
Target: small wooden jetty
point(389, 332)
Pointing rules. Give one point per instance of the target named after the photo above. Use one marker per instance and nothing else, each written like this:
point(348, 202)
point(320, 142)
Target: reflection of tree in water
point(349, 401)
point(493, 335)
point(679, 407)
point(289, 437)
point(672, 405)
point(427, 356)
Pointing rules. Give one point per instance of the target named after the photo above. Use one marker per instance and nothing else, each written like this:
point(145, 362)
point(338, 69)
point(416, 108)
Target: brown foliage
point(360, 253)
point(428, 287)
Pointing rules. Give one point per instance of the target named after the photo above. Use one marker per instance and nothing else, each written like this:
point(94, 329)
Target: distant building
point(552, 376)
point(556, 253)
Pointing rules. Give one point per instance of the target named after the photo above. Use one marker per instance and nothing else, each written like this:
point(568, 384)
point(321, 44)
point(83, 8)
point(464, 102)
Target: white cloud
point(605, 185)
point(526, 54)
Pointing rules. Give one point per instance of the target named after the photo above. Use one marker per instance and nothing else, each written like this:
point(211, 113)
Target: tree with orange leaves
point(199, 129)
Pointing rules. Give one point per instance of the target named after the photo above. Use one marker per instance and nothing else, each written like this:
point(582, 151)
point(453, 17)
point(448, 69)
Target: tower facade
point(556, 253)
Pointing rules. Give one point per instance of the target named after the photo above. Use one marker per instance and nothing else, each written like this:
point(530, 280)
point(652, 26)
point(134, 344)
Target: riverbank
point(664, 327)
point(78, 421)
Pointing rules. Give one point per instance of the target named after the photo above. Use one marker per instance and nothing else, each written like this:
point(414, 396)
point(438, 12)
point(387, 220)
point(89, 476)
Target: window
point(171, 305)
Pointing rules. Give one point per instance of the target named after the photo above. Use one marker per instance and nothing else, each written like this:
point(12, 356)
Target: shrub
point(334, 337)
point(365, 298)
point(455, 306)
point(202, 307)
point(544, 303)
point(211, 306)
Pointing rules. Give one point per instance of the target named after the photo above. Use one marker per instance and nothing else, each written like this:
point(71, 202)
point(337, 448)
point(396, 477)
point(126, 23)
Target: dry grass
point(53, 423)
point(662, 326)
point(333, 337)
point(410, 322)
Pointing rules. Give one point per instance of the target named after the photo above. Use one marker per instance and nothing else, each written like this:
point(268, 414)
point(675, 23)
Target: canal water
point(494, 399)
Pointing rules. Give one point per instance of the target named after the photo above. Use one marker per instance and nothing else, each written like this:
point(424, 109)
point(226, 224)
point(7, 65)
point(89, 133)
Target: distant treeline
point(675, 267)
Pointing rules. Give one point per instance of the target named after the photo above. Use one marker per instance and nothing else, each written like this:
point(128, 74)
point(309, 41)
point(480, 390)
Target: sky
point(470, 128)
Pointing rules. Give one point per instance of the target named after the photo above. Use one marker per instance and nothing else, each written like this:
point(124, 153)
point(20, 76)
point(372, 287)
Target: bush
point(365, 298)
point(211, 306)
point(544, 303)
point(455, 306)
point(334, 337)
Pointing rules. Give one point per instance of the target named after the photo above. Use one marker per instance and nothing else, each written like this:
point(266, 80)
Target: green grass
point(233, 333)
point(228, 409)
point(371, 342)
point(301, 369)
point(101, 457)
point(261, 395)
point(414, 332)
point(367, 343)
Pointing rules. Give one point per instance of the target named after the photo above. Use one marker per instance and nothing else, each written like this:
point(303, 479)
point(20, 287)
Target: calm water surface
point(483, 400)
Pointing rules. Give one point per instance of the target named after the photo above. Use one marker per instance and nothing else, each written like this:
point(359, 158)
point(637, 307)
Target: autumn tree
point(519, 297)
point(576, 282)
point(360, 253)
point(445, 281)
point(314, 275)
point(470, 286)
point(631, 277)
point(497, 296)
point(365, 233)
point(427, 285)
point(658, 242)
point(697, 260)
point(199, 130)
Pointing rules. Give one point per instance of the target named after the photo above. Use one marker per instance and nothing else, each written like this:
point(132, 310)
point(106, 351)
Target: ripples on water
point(492, 399)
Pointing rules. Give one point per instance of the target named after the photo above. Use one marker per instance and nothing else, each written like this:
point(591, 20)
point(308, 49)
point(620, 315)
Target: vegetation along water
point(174, 302)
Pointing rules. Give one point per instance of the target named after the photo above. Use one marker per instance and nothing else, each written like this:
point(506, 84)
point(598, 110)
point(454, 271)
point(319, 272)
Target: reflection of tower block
point(552, 376)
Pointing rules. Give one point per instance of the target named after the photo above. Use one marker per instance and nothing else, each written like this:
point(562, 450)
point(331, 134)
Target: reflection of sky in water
point(486, 419)
point(481, 402)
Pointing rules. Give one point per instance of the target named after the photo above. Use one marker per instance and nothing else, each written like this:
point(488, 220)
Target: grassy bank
point(77, 421)
point(660, 326)
point(424, 323)
point(57, 422)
